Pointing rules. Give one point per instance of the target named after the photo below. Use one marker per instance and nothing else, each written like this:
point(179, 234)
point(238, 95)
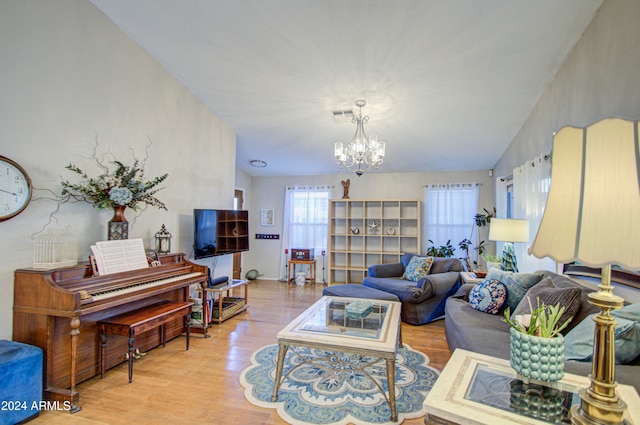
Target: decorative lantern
point(163, 241)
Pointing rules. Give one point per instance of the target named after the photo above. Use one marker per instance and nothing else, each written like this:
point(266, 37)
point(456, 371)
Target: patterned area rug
point(333, 390)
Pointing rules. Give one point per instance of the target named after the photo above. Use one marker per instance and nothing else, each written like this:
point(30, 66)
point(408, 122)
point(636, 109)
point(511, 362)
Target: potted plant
point(536, 344)
point(464, 246)
point(446, 250)
point(493, 261)
point(484, 219)
point(479, 220)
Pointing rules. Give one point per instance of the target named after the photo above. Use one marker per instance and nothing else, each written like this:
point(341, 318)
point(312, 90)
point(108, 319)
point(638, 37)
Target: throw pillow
point(545, 292)
point(417, 268)
point(489, 296)
point(517, 284)
point(579, 342)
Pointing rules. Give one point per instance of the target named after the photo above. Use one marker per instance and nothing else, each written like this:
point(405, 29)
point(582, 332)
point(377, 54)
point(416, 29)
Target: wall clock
point(15, 189)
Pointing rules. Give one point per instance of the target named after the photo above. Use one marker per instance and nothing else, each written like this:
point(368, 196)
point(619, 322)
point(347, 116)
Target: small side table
point(228, 306)
point(292, 269)
point(469, 277)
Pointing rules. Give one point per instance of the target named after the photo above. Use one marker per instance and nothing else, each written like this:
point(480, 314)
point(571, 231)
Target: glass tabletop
point(346, 316)
point(503, 390)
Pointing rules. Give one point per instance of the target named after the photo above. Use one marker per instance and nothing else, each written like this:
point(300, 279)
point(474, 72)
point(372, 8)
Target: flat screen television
point(219, 232)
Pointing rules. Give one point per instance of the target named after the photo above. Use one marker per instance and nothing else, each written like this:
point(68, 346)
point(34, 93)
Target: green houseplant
point(536, 344)
point(445, 250)
point(492, 261)
point(479, 220)
point(542, 322)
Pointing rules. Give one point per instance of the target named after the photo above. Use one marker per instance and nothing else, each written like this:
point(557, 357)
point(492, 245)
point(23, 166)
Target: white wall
point(598, 80)
point(68, 75)
point(269, 192)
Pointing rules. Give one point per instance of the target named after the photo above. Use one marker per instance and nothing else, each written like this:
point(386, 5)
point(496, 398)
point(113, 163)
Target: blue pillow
point(488, 296)
point(517, 284)
point(578, 344)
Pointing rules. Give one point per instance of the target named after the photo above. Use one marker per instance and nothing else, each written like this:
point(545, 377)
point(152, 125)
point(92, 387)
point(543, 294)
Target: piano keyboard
point(99, 296)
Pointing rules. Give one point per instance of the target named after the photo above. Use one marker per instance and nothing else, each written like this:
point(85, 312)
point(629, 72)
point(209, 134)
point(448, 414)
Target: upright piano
point(57, 310)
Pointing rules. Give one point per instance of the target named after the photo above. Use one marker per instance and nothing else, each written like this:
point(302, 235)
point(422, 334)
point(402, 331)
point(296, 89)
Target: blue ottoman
point(355, 290)
point(20, 381)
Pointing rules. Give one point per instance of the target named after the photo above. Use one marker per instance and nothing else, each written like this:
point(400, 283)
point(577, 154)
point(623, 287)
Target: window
point(309, 218)
point(449, 213)
point(510, 201)
point(306, 219)
point(524, 196)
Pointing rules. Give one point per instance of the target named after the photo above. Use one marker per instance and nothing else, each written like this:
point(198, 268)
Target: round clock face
point(15, 189)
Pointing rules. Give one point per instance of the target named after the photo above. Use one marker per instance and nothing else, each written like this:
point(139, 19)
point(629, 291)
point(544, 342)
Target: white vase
point(492, 265)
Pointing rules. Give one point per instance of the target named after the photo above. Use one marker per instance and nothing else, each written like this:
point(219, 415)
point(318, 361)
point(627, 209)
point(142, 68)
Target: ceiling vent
point(342, 115)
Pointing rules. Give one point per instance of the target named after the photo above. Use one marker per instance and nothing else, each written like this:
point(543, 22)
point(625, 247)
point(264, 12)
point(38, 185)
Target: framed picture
point(266, 217)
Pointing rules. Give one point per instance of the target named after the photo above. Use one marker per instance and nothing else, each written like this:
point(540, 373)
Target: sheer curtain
point(449, 213)
point(531, 183)
point(306, 220)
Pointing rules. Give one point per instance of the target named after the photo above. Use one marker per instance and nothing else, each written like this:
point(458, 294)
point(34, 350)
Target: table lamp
point(591, 217)
point(509, 230)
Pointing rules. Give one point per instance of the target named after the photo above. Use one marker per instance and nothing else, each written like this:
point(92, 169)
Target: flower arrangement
point(125, 186)
point(542, 322)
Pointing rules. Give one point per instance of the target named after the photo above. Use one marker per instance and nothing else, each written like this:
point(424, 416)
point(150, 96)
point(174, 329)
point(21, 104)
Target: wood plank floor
point(174, 386)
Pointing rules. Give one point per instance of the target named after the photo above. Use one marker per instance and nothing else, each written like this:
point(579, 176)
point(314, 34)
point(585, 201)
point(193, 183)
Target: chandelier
point(361, 152)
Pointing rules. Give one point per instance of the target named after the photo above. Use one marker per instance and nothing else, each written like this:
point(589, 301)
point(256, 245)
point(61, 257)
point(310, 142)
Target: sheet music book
point(119, 256)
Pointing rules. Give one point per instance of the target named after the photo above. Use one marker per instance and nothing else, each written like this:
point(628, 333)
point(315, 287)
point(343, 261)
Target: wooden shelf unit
point(233, 230)
point(351, 253)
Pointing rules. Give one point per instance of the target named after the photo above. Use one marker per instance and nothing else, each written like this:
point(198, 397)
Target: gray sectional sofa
point(422, 301)
point(485, 333)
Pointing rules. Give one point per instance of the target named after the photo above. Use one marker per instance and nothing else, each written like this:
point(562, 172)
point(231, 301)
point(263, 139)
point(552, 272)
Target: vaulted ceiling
point(448, 83)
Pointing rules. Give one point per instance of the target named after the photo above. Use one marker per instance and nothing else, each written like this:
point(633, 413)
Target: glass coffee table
point(478, 389)
point(347, 325)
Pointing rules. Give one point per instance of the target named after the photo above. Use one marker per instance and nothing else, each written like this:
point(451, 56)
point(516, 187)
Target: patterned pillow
point(417, 268)
point(517, 284)
point(489, 296)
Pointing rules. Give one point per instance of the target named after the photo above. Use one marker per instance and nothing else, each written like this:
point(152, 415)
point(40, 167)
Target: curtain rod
point(452, 185)
point(322, 186)
point(546, 157)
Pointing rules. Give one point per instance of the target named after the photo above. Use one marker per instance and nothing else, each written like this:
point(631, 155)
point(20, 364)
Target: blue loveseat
point(422, 301)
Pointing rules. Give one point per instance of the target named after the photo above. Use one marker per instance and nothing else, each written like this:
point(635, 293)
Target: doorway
point(238, 202)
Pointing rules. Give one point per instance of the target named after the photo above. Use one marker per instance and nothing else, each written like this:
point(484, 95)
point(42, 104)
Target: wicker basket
point(230, 306)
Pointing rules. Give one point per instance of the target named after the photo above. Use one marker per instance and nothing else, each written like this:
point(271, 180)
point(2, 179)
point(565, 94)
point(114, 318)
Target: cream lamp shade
point(509, 230)
point(593, 208)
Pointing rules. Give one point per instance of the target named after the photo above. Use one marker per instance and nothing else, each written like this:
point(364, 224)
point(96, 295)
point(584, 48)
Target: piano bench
point(21, 378)
point(138, 321)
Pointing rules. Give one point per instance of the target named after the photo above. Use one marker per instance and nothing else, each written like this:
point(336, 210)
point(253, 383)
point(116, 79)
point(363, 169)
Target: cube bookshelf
point(364, 232)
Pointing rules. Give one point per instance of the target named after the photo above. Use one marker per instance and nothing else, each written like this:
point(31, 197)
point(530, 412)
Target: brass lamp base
point(595, 412)
point(599, 403)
